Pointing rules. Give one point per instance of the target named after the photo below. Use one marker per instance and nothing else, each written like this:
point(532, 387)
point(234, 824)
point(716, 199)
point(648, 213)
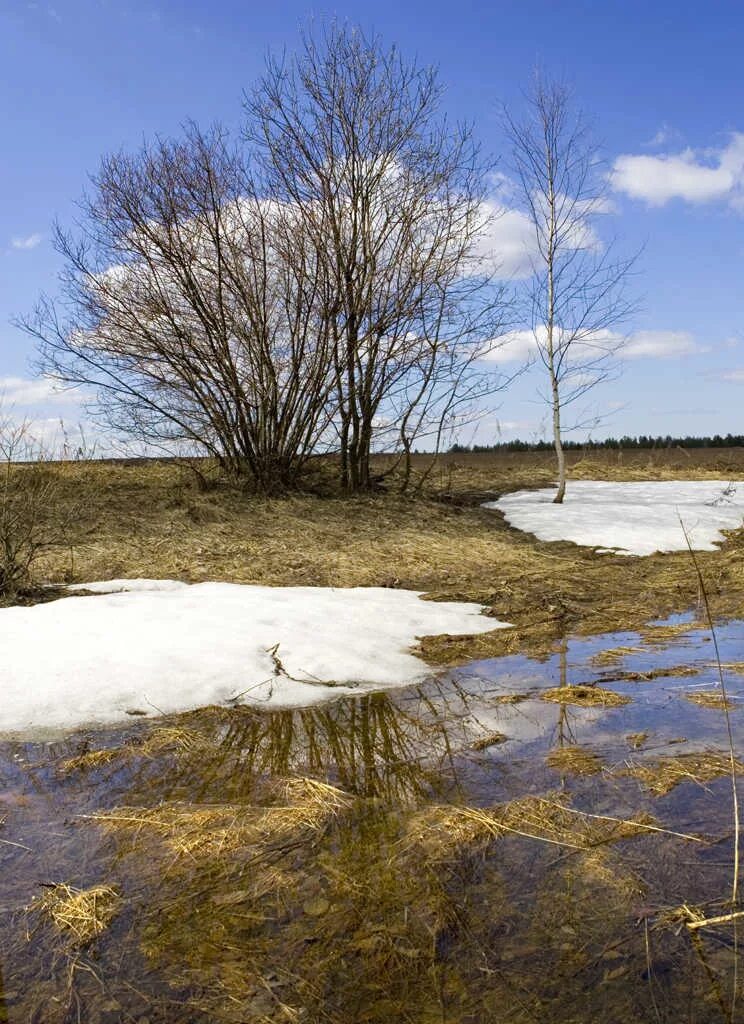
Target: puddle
point(462, 860)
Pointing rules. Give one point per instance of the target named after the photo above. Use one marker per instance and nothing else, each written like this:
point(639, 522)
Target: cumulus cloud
point(694, 176)
point(35, 391)
point(522, 346)
point(508, 243)
point(661, 345)
point(737, 376)
point(27, 242)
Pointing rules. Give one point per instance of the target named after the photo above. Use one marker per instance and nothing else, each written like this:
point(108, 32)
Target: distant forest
point(642, 441)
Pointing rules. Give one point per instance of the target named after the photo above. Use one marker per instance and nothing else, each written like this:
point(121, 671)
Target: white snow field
point(163, 646)
point(634, 518)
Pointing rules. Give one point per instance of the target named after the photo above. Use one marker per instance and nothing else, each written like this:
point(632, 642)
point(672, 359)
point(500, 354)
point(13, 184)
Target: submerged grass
point(331, 906)
point(585, 696)
point(712, 699)
point(661, 776)
point(194, 830)
point(574, 760)
point(81, 914)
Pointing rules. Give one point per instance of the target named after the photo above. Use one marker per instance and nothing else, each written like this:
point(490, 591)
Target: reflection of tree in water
point(372, 746)
point(378, 899)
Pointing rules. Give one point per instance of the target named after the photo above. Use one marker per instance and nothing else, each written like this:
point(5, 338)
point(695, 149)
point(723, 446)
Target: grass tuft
point(663, 775)
point(585, 696)
point(82, 914)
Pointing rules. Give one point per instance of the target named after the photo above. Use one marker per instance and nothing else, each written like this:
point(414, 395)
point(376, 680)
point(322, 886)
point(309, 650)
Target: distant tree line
point(643, 441)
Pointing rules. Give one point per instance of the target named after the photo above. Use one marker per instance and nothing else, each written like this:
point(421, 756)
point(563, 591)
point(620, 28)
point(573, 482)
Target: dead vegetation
point(661, 776)
point(712, 699)
point(661, 635)
point(492, 740)
point(735, 667)
point(574, 761)
point(175, 740)
point(80, 914)
point(636, 739)
point(585, 696)
point(193, 830)
point(309, 900)
point(438, 540)
point(664, 672)
point(612, 655)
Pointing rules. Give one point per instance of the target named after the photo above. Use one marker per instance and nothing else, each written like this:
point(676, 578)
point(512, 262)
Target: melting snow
point(634, 518)
point(165, 646)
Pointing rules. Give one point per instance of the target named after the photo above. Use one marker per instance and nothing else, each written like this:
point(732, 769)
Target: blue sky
point(661, 81)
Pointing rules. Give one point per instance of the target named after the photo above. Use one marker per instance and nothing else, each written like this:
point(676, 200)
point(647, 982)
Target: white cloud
point(508, 243)
point(733, 375)
point(29, 242)
point(35, 391)
point(513, 347)
point(521, 346)
point(695, 176)
point(661, 345)
point(664, 136)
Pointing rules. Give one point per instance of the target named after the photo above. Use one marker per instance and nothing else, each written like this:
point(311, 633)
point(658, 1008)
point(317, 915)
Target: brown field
point(155, 519)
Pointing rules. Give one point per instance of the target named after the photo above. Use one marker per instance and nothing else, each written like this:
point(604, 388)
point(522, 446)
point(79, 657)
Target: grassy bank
point(154, 519)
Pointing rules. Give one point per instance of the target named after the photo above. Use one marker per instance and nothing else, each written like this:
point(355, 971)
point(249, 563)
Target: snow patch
point(127, 586)
point(630, 518)
point(164, 646)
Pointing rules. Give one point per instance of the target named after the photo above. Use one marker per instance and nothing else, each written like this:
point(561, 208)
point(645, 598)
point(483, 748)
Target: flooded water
point(462, 851)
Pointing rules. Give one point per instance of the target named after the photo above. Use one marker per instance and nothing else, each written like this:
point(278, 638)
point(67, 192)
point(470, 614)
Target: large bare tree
point(194, 307)
point(317, 286)
point(576, 294)
point(353, 138)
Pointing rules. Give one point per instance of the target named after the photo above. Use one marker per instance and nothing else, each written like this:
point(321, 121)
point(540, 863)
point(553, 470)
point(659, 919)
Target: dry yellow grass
point(612, 655)
point(80, 913)
point(151, 519)
point(735, 667)
point(491, 740)
point(209, 830)
point(574, 761)
point(662, 776)
point(711, 699)
point(585, 696)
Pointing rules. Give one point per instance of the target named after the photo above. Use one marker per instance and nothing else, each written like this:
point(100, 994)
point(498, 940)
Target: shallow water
point(389, 906)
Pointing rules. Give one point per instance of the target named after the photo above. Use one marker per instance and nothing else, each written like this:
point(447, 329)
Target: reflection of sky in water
point(420, 744)
point(657, 706)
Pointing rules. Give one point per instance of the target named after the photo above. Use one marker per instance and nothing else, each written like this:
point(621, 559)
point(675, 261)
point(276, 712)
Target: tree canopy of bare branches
point(312, 287)
point(352, 137)
point(191, 306)
point(576, 295)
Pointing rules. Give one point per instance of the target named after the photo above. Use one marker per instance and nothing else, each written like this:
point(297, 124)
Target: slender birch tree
point(576, 296)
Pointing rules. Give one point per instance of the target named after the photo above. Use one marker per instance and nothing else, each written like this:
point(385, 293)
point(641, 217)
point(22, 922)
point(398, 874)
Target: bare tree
point(194, 306)
point(30, 521)
point(352, 137)
point(316, 287)
point(576, 293)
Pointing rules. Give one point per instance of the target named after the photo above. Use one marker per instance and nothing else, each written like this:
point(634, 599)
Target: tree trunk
point(560, 455)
